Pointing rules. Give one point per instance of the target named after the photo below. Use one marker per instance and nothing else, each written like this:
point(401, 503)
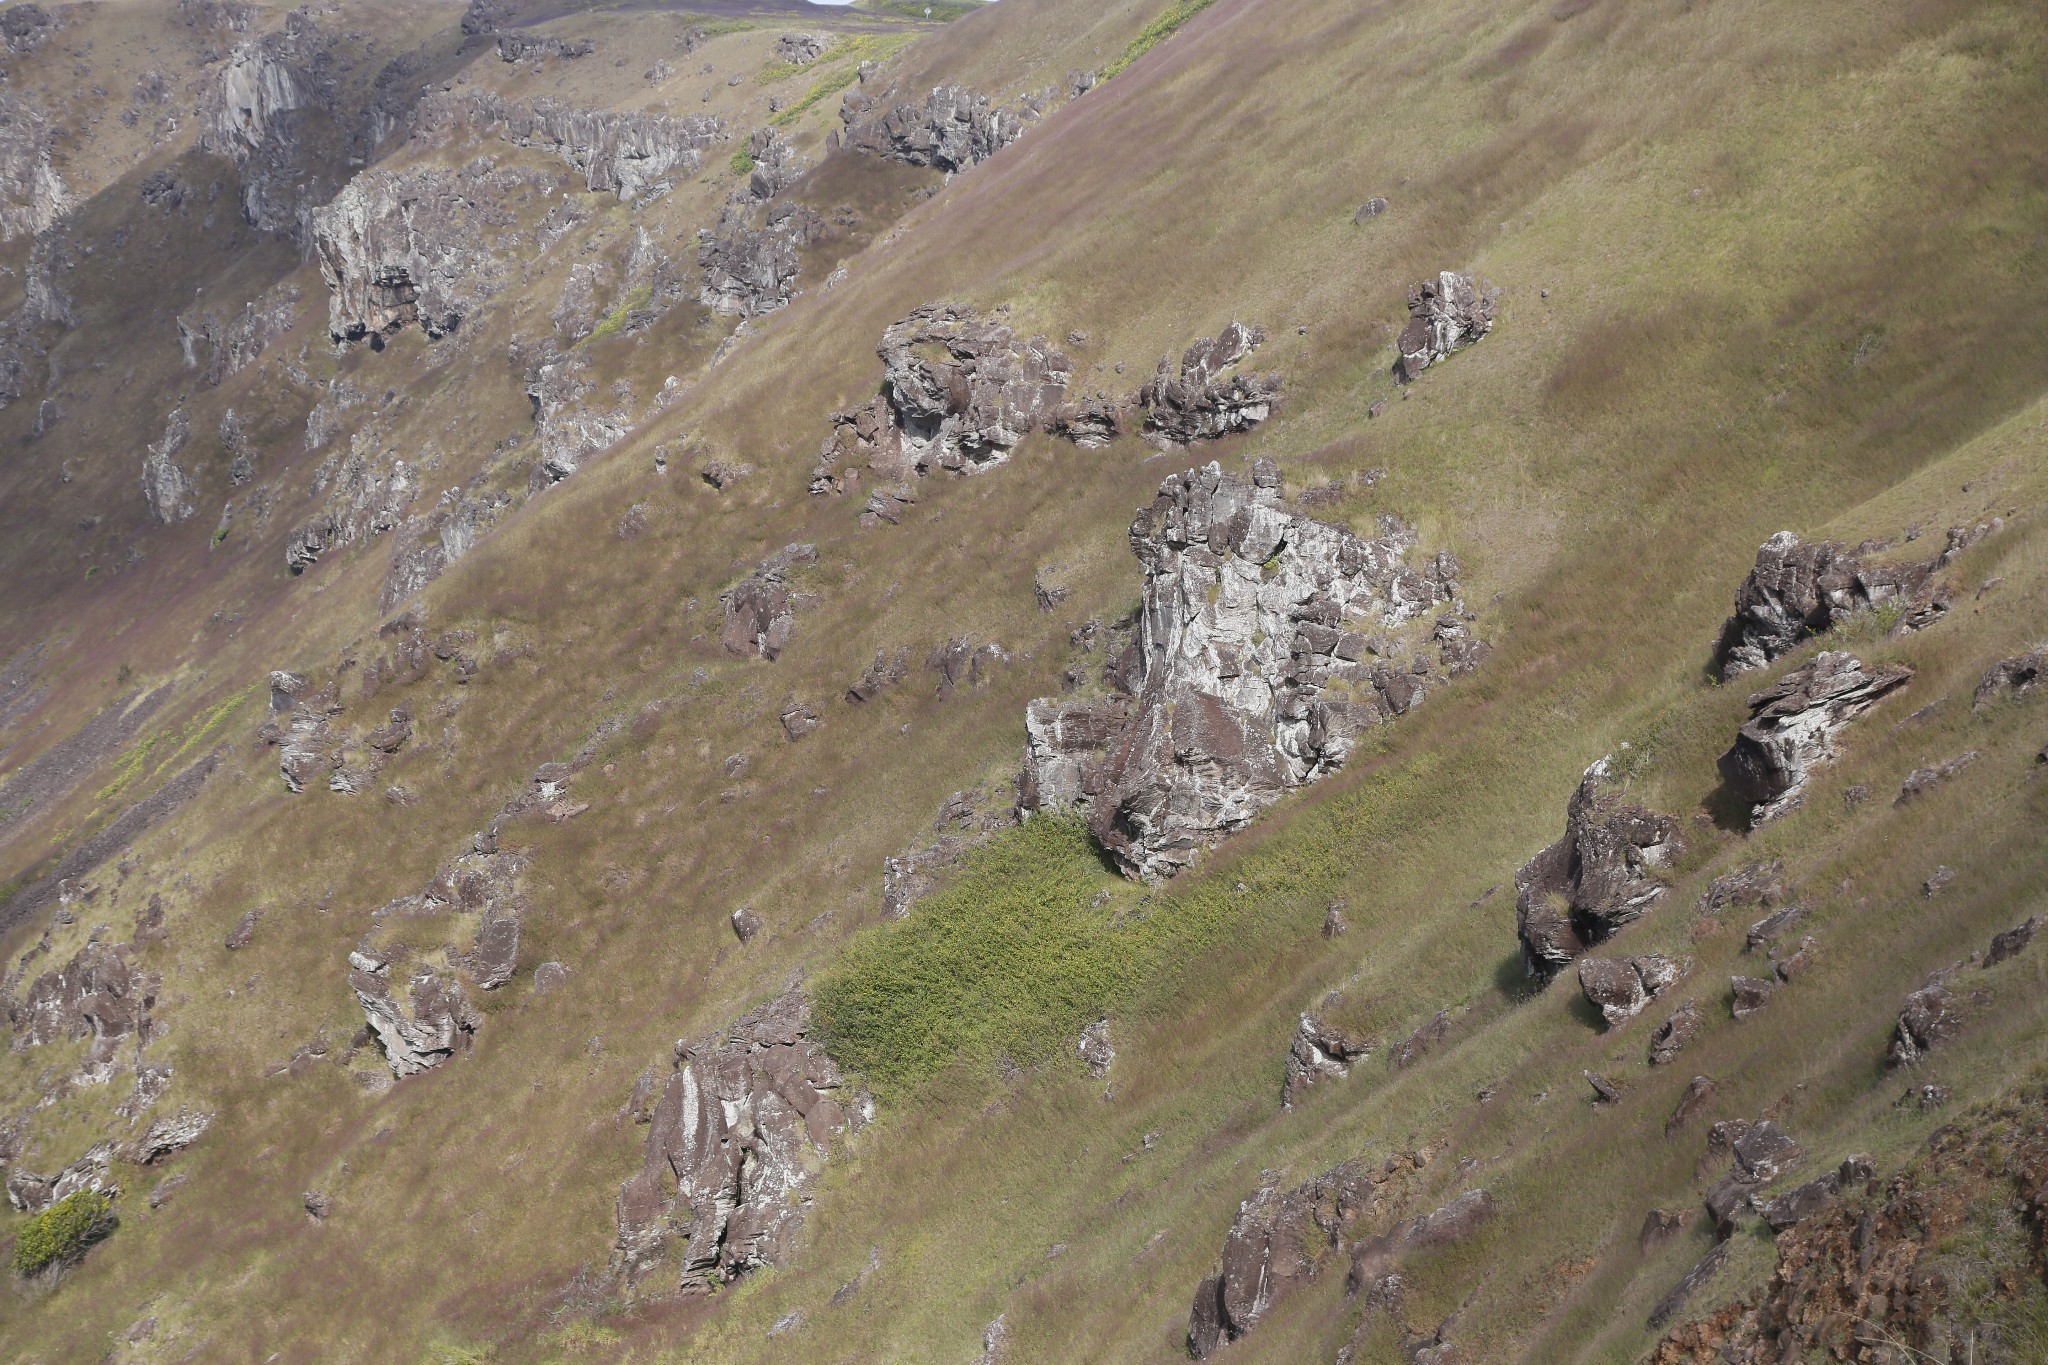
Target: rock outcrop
point(1622, 988)
point(1932, 1015)
point(1446, 314)
point(404, 248)
point(759, 610)
point(365, 493)
point(2019, 676)
point(955, 128)
point(1205, 396)
point(1594, 880)
point(1280, 1240)
point(1267, 643)
point(749, 268)
point(33, 196)
point(165, 485)
point(518, 47)
point(634, 156)
point(99, 994)
point(426, 544)
point(744, 1122)
point(571, 414)
point(1797, 591)
point(1794, 723)
point(303, 734)
point(1319, 1052)
point(218, 347)
point(960, 391)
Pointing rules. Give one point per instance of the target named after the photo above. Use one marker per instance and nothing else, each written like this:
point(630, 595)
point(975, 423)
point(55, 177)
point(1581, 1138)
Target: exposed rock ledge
point(1793, 726)
point(1797, 591)
point(1268, 642)
point(1594, 880)
point(632, 155)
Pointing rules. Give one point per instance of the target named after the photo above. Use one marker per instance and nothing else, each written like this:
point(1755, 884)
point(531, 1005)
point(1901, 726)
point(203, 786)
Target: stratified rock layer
point(1797, 591)
point(1794, 723)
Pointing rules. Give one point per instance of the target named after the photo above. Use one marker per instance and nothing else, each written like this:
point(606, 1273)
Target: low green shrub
point(1157, 32)
point(62, 1232)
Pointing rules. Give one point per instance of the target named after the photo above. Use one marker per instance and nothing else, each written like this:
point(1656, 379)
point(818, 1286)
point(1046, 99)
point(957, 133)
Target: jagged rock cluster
point(219, 347)
point(1794, 723)
point(517, 47)
point(1267, 642)
point(733, 1143)
point(302, 735)
point(631, 155)
point(398, 248)
point(1446, 314)
point(1597, 878)
point(961, 391)
point(955, 128)
point(99, 994)
point(1318, 1052)
point(1797, 591)
point(33, 196)
point(1198, 400)
point(967, 820)
point(165, 485)
point(749, 263)
point(426, 544)
point(571, 414)
point(366, 493)
point(760, 610)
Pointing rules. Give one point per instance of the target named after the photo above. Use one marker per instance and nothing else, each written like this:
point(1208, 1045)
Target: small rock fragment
point(1751, 994)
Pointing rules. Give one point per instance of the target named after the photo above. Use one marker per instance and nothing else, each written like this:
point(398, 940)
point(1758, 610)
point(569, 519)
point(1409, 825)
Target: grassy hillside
point(1761, 268)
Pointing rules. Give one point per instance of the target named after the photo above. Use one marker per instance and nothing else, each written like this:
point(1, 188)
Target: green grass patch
point(152, 754)
point(616, 319)
point(864, 47)
point(63, 1231)
point(1157, 32)
point(742, 162)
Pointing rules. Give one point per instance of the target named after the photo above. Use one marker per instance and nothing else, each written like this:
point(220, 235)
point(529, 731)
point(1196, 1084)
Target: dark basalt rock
point(759, 611)
point(2012, 942)
point(954, 129)
point(1202, 399)
point(1793, 726)
point(2018, 676)
point(743, 1122)
point(1797, 591)
point(1676, 1033)
point(1594, 880)
point(1932, 1015)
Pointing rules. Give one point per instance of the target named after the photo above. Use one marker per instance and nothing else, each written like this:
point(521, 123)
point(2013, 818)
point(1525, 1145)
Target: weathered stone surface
point(801, 49)
point(426, 544)
point(967, 820)
point(777, 164)
point(749, 267)
point(1594, 880)
point(1932, 1015)
point(365, 492)
point(1446, 314)
point(1676, 1033)
point(743, 1124)
point(2014, 941)
point(798, 720)
point(1280, 1240)
point(244, 932)
point(1092, 423)
point(1375, 1257)
point(33, 196)
point(1797, 591)
point(1621, 988)
point(1793, 726)
point(1771, 927)
point(1267, 642)
point(632, 155)
point(399, 248)
point(759, 613)
point(165, 485)
point(1751, 994)
point(418, 1031)
point(885, 672)
point(519, 47)
point(302, 738)
point(1697, 1092)
point(955, 128)
point(2018, 676)
point(1319, 1052)
point(221, 346)
point(1925, 779)
point(169, 1135)
point(99, 994)
point(570, 413)
point(961, 390)
point(1096, 1050)
point(1205, 396)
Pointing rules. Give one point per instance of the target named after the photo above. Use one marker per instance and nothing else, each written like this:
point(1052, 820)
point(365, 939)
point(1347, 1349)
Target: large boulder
point(1622, 988)
point(1445, 314)
point(1267, 643)
point(744, 1122)
point(1597, 878)
point(1319, 1051)
point(955, 128)
point(1794, 723)
point(1932, 1015)
point(2018, 676)
point(759, 610)
point(1204, 397)
point(1798, 590)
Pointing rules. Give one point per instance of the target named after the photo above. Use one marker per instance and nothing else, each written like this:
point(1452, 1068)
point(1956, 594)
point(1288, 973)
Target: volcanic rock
point(2012, 942)
point(1797, 591)
point(402, 247)
point(1319, 1051)
point(1446, 314)
point(165, 485)
point(743, 1124)
point(954, 129)
point(759, 614)
point(1204, 397)
point(1675, 1033)
point(2018, 676)
point(1595, 879)
point(1751, 994)
point(1252, 673)
point(1793, 725)
point(1933, 1014)
point(633, 155)
point(1621, 988)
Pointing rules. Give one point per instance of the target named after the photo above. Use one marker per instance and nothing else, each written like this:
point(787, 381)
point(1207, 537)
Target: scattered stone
point(2018, 676)
point(1334, 923)
point(1369, 210)
point(1595, 879)
point(318, 1206)
point(1446, 314)
point(2012, 942)
point(1319, 1051)
point(1933, 1014)
point(1751, 994)
point(744, 1122)
point(1797, 591)
point(1768, 929)
point(1793, 726)
point(548, 977)
point(519, 47)
point(1604, 1090)
point(1253, 672)
point(1096, 1051)
point(722, 476)
point(1676, 1033)
point(1938, 882)
point(1697, 1092)
point(1923, 780)
point(1427, 1035)
point(885, 672)
point(1800, 1203)
point(1787, 969)
point(244, 931)
point(798, 720)
point(759, 612)
point(1621, 988)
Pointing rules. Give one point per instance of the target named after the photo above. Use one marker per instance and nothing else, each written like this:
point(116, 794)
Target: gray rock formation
point(744, 1122)
point(1319, 1052)
point(1267, 643)
point(364, 493)
point(955, 128)
point(759, 612)
point(1594, 880)
point(399, 248)
point(426, 544)
point(1202, 398)
point(571, 414)
point(1446, 314)
point(748, 269)
point(1622, 988)
point(99, 995)
point(2010, 943)
point(1797, 591)
point(2018, 676)
point(1096, 1050)
point(303, 734)
point(242, 111)
point(1931, 1016)
point(219, 347)
point(801, 49)
point(1279, 1241)
point(961, 390)
point(1749, 994)
point(1675, 1034)
point(33, 195)
point(419, 1029)
point(169, 1135)
point(634, 156)
point(777, 164)
point(518, 47)
point(165, 485)
point(1793, 726)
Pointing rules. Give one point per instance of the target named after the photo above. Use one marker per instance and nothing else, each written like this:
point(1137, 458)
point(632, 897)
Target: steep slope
point(664, 726)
